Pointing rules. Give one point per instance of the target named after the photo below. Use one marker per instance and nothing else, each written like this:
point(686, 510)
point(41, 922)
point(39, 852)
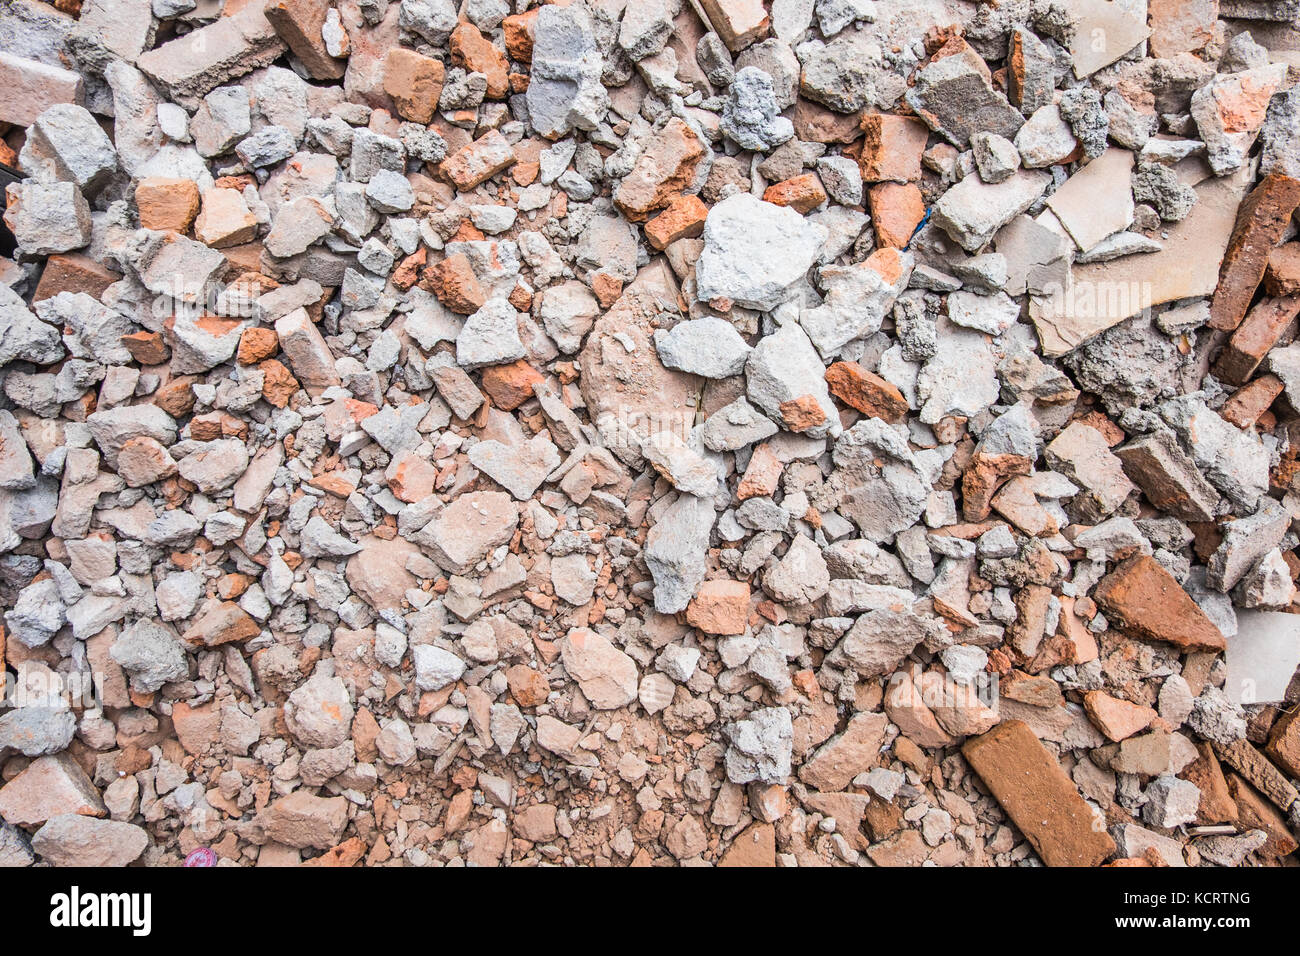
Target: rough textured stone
point(754, 251)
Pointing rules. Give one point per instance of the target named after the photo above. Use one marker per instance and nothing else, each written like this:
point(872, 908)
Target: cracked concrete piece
point(754, 251)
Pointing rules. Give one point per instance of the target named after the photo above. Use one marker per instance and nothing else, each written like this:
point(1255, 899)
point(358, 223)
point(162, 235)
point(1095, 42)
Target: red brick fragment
point(1145, 600)
point(866, 391)
point(891, 148)
point(1040, 799)
point(802, 193)
point(1254, 337)
point(509, 386)
point(1261, 220)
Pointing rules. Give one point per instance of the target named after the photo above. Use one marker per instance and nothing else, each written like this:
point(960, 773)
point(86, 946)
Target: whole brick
point(1261, 220)
point(1145, 600)
point(1037, 795)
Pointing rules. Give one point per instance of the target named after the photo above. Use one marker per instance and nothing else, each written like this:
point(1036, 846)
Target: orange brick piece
point(414, 82)
point(1181, 26)
point(754, 847)
point(473, 51)
point(299, 22)
point(1261, 220)
point(896, 210)
point(665, 167)
point(720, 607)
point(866, 391)
point(762, 475)
point(518, 30)
point(1283, 274)
point(147, 348)
point(256, 344)
point(509, 386)
point(478, 161)
point(891, 148)
point(738, 22)
point(1040, 799)
point(1146, 601)
point(802, 193)
point(453, 281)
point(684, 219)
point(1255, 336)
point(168, 205)
point(801, 413)
point(73, 272)
point(1251, 401)
point(1284, 743)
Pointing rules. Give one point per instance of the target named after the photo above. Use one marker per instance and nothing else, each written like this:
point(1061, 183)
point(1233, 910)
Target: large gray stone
point(754, 251)
point(564, 91)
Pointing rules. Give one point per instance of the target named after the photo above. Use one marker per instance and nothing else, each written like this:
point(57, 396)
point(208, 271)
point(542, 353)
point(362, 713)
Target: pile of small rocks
point(806, 432)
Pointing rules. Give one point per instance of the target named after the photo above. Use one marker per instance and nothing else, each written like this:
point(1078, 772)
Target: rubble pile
point(605, 432)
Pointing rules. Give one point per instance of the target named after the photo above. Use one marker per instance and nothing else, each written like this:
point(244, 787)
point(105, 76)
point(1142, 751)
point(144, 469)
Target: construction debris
point(639, 433)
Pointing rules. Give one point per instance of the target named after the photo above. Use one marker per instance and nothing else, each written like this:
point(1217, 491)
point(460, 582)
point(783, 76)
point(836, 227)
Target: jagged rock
point(754, 251)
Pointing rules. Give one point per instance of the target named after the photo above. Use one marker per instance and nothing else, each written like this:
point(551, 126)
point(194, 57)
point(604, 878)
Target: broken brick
point(891, 148)
point(1037, 795)
point(1144, 599)
point(1261, 219)
point(866, 391)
